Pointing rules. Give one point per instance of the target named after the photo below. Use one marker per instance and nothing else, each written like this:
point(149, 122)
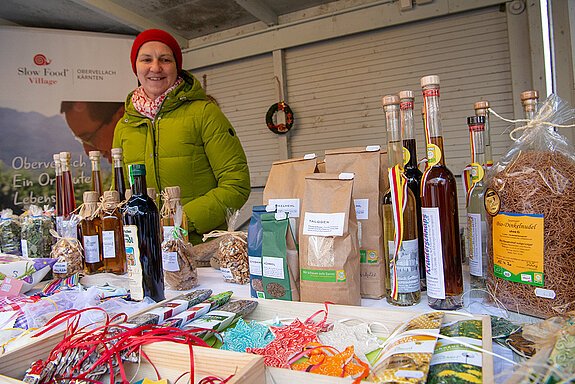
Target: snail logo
point(40, 59)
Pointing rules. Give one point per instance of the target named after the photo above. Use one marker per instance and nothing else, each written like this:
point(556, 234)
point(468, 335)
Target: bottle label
point(433, 154)
point(433, 252)
point(406, 156)
point(92, 249)
point(518, 247)
point(361, 208)
point(477, 172)
point(108, 245)
point(133, 261)
point(24, 248)
point(475, 233)
point(170, 261)
point(60, 267)
point(406, 266)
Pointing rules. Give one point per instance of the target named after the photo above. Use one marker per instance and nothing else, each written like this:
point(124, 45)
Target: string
point(239, 235)
point(541, 118)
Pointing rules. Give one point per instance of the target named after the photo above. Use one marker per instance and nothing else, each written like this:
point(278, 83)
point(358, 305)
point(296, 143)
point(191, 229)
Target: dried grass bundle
point(539, 182)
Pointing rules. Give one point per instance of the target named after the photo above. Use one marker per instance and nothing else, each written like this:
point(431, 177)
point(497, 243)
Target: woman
point(181, 137)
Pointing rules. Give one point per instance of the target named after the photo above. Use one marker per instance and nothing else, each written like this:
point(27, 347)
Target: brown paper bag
point(328, 249)
point(364, 162)
point(285, 186)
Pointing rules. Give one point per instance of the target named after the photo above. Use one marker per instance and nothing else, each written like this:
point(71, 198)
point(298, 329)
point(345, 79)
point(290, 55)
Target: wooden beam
point(129, 18)
point(259, 10)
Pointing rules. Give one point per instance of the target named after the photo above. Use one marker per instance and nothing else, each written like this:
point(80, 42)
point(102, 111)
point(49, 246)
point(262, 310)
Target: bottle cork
point(429, 80)
point(390, 100)
point(406, 94)
point(481, 105)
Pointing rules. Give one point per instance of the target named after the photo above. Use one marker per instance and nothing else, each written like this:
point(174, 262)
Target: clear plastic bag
point(67, 251)
point(36, 239)
point(530, 199)
point(9, 233)
point(233, 252)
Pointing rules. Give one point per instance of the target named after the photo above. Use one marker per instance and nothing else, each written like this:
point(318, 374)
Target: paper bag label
point(323, 224)
point(291, 206)
point(323, 276)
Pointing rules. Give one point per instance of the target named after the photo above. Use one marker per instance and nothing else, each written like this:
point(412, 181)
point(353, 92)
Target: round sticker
point(406, 156)
point(477, 172)
point(433, 154)
point(492, 202)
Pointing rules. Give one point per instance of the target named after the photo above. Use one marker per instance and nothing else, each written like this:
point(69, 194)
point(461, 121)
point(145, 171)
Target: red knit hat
point(156, 35)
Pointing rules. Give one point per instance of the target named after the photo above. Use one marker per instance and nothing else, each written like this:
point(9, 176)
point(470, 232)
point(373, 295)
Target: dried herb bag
point(530, 198)
point(36, 238)
point(280, 264)
point(67, 251)
point(9, 233)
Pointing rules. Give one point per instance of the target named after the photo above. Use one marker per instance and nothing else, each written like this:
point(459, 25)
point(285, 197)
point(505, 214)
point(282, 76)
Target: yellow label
point(492, 202)
point(433, 154)
point(406, 156)
point(518, 248)
point(477, 172)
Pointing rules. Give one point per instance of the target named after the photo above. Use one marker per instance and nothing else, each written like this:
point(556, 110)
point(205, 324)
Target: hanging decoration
point(280, 106)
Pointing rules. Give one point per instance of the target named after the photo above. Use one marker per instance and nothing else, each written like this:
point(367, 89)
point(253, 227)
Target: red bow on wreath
point(281, 106)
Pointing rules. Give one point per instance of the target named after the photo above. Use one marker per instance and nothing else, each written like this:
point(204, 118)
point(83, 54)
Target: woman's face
point(156, 68)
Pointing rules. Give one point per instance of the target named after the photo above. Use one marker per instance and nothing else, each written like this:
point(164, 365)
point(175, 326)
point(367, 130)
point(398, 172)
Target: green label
point(324, 276)
point(367, 257)
point(362, 256)
point(528, 277)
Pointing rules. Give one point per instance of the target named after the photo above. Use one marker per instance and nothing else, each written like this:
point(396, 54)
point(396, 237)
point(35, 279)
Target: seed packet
point(254, 239)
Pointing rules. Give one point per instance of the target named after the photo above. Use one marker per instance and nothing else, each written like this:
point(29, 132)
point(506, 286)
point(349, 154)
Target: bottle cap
point(390, 100)
point(111, 196)
point(65, 156)
point(116, 152)
point(94, 154)
point(91, 197)
point(472, 120)
point(173, 192)
point(429, 80)
point(138, 170)
point(481, 104)
point(406, 94)
point(528, 95)
point(56, 158)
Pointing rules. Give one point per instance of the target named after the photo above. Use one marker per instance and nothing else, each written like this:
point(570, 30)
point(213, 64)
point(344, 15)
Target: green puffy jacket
point(191, 144)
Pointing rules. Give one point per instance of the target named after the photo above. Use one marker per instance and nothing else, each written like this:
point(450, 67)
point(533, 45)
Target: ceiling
point(185, 19)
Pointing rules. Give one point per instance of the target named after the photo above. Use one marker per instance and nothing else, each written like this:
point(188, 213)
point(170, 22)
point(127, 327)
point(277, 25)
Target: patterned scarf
point(148, 107)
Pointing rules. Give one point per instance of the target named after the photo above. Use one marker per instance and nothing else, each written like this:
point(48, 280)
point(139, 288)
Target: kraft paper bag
point(285, 186)
point(329, 249)
point(364, 162)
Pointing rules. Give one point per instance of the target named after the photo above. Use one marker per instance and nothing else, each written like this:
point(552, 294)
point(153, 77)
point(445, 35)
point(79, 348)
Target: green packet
point(280, 259)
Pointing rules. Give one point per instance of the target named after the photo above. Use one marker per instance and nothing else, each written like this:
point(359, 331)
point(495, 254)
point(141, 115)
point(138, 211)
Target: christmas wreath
point(279, 128)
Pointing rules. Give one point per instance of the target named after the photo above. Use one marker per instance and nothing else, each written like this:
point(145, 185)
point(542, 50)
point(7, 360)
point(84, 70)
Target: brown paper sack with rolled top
point(364, 162)
point(285, 186)
point(328, 248)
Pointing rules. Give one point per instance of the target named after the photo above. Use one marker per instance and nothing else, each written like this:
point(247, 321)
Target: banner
point(62, 91)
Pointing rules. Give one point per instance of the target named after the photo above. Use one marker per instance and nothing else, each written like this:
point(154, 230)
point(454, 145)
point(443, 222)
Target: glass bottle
point(529, 101)
point(412, 172)
point(91, 233)
point(143, 239)
point(113, 250)
point(67, 186)
point(59, 193)
point(405, 278)
point(482, 109)
point(153, 194)
point(476, 224)
point(128, 193)
point(96, 174)
point(439, 209)
point(171, 202)
point(119, 181)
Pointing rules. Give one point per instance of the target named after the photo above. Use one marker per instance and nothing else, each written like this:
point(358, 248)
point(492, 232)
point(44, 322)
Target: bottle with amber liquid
point(96, 173)
point(113, 250)
point(402, 266)
point(119, 181)
point(172, 201)
point(67, 187)
point(411, 170)
point(143, 239)
point(476, 224)
point(91, 233)
point(439, 211)
point(482, 109)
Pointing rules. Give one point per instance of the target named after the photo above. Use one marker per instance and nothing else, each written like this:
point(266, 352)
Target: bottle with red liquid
point(67, 187)
point(440, 215)
point(119, 181)
point(96, 174)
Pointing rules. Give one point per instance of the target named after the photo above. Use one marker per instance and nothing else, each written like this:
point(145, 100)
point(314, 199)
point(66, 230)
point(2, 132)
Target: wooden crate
point(267, 309)
point(171, 360)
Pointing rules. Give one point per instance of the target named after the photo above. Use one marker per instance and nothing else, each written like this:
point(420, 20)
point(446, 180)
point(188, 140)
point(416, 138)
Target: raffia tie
point(107, 206)
point(541, 118)
point(239, 235)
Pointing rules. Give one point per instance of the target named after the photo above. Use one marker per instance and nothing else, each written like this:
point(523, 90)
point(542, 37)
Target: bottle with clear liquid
point(143, 240)
point(411, 170)
point(96, 173)
point(67, 186)
point(91, 233)
point(402, 270)
point(171, 203)
point(113, 250)
point(119, 181)
point(476, 224)
point(440, 216)
point(482, 109)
